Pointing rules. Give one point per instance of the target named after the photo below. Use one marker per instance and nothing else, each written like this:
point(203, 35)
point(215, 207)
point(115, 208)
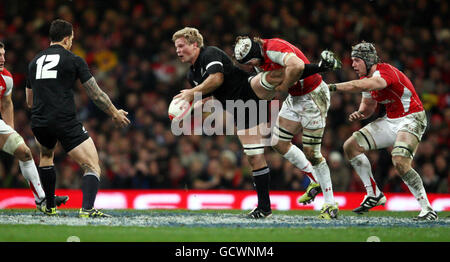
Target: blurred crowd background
point(127, 45)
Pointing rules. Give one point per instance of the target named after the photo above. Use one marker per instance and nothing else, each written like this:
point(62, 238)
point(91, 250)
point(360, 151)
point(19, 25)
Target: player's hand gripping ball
point(179, 109)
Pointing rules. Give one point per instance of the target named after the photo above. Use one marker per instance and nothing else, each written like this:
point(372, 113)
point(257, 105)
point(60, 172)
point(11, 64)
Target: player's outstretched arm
point(103, 102)
point(360, 85)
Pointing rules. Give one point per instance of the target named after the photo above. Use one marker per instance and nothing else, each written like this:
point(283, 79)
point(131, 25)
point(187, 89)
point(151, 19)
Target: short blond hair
point(192, 35)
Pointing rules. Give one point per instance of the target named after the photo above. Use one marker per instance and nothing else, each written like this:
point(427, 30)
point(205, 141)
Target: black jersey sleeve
point(83, 72)
point(27, 83)
point(213, 61)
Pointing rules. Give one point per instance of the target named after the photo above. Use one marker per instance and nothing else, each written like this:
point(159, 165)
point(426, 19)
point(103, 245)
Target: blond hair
point(192, 35)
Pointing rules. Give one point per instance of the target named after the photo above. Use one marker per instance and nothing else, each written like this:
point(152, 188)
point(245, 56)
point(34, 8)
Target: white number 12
point(43, 71)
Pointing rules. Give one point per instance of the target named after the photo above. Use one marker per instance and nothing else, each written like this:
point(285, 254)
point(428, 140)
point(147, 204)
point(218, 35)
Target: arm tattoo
point(99, 97)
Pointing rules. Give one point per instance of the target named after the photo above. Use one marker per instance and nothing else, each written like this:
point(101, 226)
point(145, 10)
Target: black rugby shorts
point(69, 135)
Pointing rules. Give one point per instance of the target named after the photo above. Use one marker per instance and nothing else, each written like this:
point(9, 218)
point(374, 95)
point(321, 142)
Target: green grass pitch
point(220, 226)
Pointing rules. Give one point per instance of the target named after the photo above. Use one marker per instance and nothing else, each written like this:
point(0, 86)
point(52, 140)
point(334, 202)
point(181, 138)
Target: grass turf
point(102, 233)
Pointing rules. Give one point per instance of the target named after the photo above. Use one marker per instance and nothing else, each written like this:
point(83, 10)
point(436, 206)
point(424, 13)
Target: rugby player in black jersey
point(51, 79)
point(213, 74)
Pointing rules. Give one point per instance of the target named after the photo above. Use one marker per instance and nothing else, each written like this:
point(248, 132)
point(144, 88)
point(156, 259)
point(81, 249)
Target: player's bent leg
point(23, 153)
point(48, 179)
point(29, 171)
point(281, 142)
point(312, 141)
point(402, 155)
point(14, 144)
point(85, 154)
point(264, 83)
point(354, 148)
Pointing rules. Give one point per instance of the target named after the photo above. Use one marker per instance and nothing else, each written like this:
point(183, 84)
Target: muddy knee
point(312, 142)
point(401, 164)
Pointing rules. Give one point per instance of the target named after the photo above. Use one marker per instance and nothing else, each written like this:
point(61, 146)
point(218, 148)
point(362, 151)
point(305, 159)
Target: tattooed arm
point(103, 102)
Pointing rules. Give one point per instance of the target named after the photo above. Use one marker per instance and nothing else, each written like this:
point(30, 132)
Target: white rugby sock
point(323, 175)
point(415, 185)
point(362, 166)
point(298, 159)
point(30, 172)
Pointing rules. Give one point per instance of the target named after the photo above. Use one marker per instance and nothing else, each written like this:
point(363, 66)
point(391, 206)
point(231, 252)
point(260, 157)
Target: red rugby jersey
point(399, 97)
point(274, 51)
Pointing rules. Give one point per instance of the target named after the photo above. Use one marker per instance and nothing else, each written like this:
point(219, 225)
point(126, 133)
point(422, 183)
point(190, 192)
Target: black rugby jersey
point(52, 75)
point(235, 81)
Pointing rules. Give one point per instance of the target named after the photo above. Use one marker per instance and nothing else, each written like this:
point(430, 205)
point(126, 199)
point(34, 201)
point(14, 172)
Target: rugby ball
point(179, 109)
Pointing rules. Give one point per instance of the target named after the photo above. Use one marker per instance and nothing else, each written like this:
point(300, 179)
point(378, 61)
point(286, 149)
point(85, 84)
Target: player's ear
point(66, 40)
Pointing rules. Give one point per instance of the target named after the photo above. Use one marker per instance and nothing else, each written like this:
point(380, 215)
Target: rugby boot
point(87, 213)
point(59, 200)
point(329, 211)
point(370, 202)
point(258, 213)
point(427, 215)
point(312, 191)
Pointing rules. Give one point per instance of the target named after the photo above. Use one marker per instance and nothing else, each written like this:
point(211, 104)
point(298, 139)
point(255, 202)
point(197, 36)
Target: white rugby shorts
point(384, 130)
point(5, 129)
point(310, 110)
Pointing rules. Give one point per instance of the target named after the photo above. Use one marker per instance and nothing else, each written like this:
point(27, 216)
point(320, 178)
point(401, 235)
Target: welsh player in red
point(402, 127)
point(305, 108)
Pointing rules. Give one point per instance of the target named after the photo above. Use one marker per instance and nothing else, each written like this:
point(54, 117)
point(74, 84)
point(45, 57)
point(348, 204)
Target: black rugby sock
point(48, 180)
point(89, 187)
point(261, 178)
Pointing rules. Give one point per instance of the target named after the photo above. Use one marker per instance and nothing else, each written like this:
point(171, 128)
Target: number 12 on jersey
point(43, 71)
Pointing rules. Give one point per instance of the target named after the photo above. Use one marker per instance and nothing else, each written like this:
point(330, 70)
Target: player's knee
point(91, 167)
point(12, 143)
point(281, 147)
point(351, 148)
point(313, 158)
point(281, 139)
point(313, 155)
point(257, 161)
point(23, 153)
point(402, 164)
point(360, 141)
